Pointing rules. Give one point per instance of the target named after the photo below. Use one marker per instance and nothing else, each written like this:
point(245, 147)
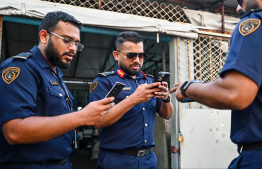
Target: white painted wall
point(206, 141)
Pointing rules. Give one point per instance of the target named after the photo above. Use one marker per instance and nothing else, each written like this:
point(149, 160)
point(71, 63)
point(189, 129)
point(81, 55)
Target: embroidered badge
point(121, 73)
point(10, 74)
point(248, 26)
point(93, 86)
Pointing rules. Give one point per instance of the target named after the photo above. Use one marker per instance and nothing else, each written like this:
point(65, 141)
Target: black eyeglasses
point(240, 2)
point(69, 41)
point(133, 55)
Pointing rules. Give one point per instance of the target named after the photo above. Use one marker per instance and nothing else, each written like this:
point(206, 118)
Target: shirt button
point(144, 109)
point(146, 125)
point(145, 141)
point(60, 94)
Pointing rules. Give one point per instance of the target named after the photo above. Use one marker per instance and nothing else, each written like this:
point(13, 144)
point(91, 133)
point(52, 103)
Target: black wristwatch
point(185, 86)
point(168, 99)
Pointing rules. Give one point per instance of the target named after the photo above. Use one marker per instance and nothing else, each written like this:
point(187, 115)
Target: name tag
point(126, 89)
point(54, 83)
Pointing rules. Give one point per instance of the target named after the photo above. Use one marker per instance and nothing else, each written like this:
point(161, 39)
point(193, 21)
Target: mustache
point(70, 53)
point(135, 64)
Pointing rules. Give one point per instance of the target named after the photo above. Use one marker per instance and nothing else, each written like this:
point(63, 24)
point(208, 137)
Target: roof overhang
point(98, 18)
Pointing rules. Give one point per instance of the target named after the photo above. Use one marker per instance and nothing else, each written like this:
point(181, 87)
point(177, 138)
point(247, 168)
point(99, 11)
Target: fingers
point(152, 85)
point(176, 86)
point(107, 100)
point(105, 112)
point(164, 84)
point(172, 90)
point(162, 95)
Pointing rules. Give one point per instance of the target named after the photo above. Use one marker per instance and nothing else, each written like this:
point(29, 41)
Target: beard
point(53, 56)
point(129, 71)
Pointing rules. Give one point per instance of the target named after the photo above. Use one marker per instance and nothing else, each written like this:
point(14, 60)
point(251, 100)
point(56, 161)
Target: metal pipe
point(99, 4)
point(223, 16)
point(86, 29)
point(164, 56)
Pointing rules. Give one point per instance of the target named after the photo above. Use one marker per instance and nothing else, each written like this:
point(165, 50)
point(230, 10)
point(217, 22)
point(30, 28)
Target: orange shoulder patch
point(10, 74)
point(249, 26)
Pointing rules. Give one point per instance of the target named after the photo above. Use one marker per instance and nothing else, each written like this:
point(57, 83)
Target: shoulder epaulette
point(106, 73)
point(24, 56)
point(150, 75)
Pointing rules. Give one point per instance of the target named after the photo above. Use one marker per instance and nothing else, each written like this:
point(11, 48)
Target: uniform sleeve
point(245, 54)
point(19, 96)
point(98, 89)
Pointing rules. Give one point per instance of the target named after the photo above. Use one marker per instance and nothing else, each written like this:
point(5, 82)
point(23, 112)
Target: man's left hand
point(163, 94)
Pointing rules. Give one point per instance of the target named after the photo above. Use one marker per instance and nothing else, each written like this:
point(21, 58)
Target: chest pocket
point(57, 102)
point(123, 95)
point(152, 104)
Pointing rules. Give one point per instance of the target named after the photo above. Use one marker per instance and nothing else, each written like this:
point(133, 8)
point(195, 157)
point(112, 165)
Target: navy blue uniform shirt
point(135, 129)
point(245, 56)
point(29, 88)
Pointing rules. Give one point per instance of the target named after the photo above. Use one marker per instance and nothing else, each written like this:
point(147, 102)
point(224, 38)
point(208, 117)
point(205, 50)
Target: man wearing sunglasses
point(127, 131)
point(37, 126)
point(239, 87)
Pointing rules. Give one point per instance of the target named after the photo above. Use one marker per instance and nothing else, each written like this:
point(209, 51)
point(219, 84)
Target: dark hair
point(127, 36)
point(51, 19)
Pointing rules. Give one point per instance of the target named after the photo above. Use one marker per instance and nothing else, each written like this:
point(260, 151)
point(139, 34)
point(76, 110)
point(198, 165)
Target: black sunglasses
point(133, 55)
point(240, 2)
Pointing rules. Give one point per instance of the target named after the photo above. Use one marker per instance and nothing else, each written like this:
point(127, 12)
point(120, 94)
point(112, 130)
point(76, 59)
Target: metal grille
point(201, 59)
point(136, 7)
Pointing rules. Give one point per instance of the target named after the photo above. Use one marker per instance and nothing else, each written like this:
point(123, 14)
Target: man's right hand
point(94, 111)
point(144, 92)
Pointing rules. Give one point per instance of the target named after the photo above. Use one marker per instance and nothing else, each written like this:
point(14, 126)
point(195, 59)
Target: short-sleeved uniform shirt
point(245, 56)
point(135, 129)
point(29, 88)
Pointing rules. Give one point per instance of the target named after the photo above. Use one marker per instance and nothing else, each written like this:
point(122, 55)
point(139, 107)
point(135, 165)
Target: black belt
point(40, 163)
point(253, 146)
point(132, 152)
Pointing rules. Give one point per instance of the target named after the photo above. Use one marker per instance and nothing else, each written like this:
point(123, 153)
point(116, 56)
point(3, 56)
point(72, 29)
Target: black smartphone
point(161, 76)
point(115, 90)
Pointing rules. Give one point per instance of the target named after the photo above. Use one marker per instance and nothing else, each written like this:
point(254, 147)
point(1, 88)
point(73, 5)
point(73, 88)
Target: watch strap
point(185, 86)
point(183, 90)
point(168, 99)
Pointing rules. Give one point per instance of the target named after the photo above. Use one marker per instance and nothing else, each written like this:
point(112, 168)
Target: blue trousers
point(110, 160)
point(247, 160)
point(66, 165)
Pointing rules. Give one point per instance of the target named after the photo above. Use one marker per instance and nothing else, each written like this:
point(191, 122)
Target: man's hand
point(176, 88)
point(94, 111)
point(144, 92)
point(164, 92)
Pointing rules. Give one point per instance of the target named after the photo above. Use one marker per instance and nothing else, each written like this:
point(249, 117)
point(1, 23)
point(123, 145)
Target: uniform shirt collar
point(122, 74)
point(42, 60)
point(251, 11)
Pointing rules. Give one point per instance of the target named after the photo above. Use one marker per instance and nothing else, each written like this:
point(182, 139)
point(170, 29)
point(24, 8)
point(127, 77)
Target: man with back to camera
point(239, 87)
point(127, 131)
point(37, 126)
